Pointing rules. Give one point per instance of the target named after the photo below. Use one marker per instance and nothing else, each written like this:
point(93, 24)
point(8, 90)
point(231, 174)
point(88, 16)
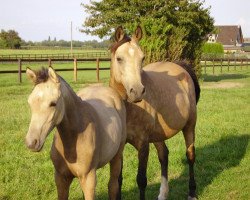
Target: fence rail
point(206, 63)
point(10, 57)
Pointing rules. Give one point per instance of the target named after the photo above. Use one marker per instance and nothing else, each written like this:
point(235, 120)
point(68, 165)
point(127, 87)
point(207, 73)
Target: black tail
point(191, 72)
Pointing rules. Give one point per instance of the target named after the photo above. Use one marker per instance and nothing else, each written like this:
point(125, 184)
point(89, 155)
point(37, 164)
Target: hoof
point(192, 198)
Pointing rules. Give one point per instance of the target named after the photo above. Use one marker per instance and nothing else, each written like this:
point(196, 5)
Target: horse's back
point(112, 117)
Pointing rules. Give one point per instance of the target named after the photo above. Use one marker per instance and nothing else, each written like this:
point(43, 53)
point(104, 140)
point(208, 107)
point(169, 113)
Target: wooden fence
point(224, 62)
point(19, 70)
point(101, 54)
point(206, 63)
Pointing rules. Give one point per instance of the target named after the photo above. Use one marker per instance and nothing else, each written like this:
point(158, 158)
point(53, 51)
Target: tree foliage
point(212, 48)
point(173, 29)
point(10, 39)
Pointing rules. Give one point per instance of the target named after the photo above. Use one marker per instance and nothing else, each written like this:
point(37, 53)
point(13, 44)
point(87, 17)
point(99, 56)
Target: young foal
point(90, 133)
point(167, 107)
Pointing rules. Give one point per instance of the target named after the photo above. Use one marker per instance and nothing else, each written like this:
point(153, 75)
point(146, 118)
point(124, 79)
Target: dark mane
point(125, 39)
point(191, 72)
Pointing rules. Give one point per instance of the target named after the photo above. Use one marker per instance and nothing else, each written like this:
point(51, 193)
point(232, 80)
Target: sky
point(36, 20)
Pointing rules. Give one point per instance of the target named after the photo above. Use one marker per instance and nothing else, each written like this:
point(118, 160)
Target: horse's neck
point(116, 85)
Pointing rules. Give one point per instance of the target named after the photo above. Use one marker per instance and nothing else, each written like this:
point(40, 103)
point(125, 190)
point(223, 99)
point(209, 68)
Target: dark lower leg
point(163, 152)
point(62, 184)
point(142, 169)
point(191, 159)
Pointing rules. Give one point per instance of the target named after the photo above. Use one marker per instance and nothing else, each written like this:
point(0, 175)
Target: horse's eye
point(143, 59)
point(119, 59)
point(52, 104)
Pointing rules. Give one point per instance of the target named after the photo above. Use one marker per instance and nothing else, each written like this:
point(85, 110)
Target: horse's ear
point(119, 34)
point(138, 34)
point(31, 75)
point(53, 75)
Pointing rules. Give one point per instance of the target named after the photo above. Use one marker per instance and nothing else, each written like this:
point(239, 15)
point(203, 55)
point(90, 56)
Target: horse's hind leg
point(189, 135)
point(115, 181)
point(162, 151)
point(62, 184)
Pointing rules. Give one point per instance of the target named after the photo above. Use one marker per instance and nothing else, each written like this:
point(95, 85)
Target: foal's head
point(47, 106)
point(127, 59)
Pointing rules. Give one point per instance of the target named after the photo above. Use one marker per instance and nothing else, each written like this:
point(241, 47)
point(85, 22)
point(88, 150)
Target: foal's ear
point(31, 75)
point(119, 34)
point(138, 34)
point(53, 75)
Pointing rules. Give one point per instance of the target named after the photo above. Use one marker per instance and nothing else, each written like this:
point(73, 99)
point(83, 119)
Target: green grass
point(46, 51)
point(222, 149)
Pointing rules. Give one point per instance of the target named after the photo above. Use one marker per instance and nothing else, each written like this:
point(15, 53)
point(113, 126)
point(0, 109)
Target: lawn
point(47, 51)
point(222, 149)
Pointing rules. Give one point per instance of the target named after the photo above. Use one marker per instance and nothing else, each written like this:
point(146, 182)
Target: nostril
point(143, 90)
point(131, 90)
point(31, 144)
point(34, 142)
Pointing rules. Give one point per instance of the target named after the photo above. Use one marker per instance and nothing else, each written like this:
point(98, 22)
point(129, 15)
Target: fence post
point(50, 65)
point(205, 66)
point(241, 64)
point(213, 65)
point(234, 63)
point(228, 63)
point(75, 69)
point(97, 69)
point(20, 70)
point(221, 66)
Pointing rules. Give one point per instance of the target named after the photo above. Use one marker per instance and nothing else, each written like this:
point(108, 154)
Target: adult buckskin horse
point(90, 132)
point(167, 107)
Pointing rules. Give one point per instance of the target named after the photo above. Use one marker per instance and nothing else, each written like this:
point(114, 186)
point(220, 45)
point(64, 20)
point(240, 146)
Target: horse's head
point(47, 106)
point(126, 63)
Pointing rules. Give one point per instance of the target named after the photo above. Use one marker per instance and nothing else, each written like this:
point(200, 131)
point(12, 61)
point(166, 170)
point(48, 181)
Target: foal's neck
point(72, 103)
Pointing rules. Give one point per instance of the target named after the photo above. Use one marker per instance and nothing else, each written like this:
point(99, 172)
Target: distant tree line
point(62, 43)
point(11, 40)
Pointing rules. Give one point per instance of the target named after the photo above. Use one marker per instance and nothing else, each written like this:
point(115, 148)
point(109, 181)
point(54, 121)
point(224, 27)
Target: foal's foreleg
point(62, 184)
point(143, 152)
point(162, 151)
point(190, 153)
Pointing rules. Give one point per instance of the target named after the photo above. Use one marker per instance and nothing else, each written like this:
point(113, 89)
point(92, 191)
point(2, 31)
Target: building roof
point(229, 35)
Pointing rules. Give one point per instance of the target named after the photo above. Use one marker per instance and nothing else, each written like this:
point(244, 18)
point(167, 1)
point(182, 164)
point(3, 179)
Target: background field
point(222, 145)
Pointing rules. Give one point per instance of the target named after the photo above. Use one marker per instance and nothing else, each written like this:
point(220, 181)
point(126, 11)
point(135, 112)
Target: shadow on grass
point(219, 77)
point(211, 160)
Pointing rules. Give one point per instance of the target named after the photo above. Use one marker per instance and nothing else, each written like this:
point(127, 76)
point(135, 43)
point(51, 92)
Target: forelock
point(42, 75)
point(115, 46)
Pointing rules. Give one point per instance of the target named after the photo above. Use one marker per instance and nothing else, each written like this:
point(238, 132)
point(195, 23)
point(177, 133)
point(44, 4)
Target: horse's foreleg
point(62, 184)
point(190, 153)
point(143, 152)
point(162, 151)
point(115, 181)
point(88, 184)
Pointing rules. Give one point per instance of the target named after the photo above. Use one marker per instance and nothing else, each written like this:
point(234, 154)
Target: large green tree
point(173, 29)
point(10, 39)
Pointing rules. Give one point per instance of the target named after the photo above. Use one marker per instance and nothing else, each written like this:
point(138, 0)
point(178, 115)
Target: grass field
point(46, 51)
point(222, 145)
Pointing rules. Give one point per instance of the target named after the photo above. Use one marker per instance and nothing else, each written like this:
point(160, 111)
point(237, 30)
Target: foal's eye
point(52, 104)
point(119, 59)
